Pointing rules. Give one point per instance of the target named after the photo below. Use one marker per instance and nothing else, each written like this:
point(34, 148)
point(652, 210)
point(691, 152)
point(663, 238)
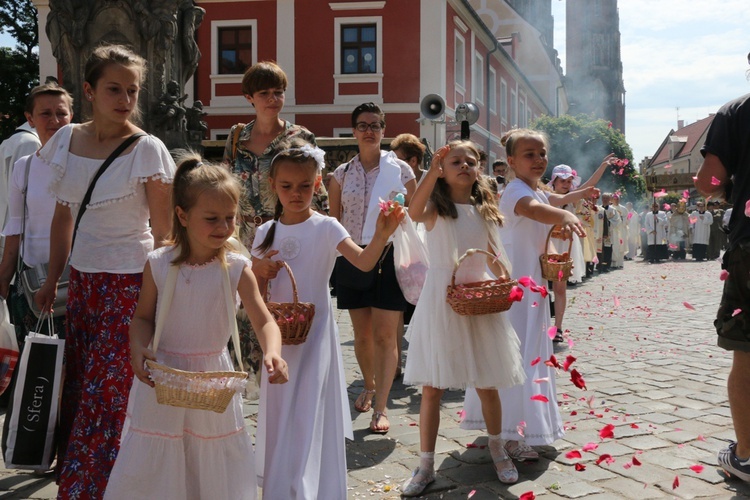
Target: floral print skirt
point(98, 377)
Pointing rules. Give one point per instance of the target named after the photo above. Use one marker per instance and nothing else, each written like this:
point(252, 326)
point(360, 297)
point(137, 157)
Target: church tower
point(593, 63)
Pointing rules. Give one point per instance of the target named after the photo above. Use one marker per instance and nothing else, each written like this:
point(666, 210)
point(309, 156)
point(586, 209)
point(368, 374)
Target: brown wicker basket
point(556, 267)
point(195, 390)
point(293, 318)
point(480, 297)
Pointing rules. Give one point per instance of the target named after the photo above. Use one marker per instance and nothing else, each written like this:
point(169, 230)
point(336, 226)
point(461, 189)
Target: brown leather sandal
point(375, 427)
point(363, 403)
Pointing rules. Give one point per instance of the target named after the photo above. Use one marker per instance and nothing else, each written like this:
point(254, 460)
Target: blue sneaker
point(729, 462)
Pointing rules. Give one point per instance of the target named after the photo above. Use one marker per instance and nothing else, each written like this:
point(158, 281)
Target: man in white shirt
point(22, 142)
point(700, 221)
point(655, 222)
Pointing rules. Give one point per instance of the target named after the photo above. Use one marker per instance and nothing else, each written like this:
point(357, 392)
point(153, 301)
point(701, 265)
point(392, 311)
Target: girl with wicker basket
point(171, 452)
point(448, 350)
point(302, 426)
point(528, 219)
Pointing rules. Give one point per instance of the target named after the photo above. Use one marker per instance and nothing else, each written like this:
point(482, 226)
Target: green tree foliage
point(20, 64)
point(582, 142)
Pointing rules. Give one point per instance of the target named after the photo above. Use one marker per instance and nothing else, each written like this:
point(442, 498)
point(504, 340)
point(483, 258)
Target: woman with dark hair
point(248, 152)
point(375, 305)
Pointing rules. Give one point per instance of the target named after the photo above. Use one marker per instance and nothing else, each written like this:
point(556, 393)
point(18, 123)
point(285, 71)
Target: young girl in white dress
point(177, 453)
point(302, 426)
point(528, 218)
point(447, 350)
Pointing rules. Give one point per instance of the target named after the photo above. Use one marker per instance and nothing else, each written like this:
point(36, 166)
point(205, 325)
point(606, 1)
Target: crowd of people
point(155, 277)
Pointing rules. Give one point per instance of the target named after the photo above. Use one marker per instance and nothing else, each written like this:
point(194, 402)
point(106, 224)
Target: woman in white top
point(48, 108)
point(375, 310)
point(107, 259)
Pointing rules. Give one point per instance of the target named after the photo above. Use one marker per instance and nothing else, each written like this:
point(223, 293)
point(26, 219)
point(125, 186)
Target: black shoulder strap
point(23, 227)
point(112, 157)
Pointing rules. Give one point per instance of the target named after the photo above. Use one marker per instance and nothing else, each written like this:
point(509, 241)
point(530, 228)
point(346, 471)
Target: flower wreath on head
point(308, 151)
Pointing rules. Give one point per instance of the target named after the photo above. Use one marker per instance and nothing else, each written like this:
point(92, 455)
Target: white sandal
point(506, 475)
point(413, 487)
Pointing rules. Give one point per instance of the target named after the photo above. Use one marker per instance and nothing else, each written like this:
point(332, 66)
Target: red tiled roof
point(693, 132)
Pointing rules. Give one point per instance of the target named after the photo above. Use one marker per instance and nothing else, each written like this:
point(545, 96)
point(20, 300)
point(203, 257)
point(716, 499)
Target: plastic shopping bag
point(8, 347)
point(411, 260)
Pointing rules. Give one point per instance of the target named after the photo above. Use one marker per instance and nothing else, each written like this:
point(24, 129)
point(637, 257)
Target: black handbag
point(33, 278)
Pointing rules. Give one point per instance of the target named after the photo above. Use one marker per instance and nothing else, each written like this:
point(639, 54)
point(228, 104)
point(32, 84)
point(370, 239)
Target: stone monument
point(161, 31)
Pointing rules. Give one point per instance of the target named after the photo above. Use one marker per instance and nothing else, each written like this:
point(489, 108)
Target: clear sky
point(685, 54)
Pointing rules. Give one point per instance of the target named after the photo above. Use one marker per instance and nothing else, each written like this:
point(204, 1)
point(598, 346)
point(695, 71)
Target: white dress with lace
point(177, 453)
point(447, 350)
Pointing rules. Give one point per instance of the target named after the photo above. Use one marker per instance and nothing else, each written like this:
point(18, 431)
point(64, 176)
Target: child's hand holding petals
point(388, 222)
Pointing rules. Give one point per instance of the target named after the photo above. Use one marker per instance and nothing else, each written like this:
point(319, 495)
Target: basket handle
point(471, 252)
point(166, 302)
point(295, 297)
point(549, 235)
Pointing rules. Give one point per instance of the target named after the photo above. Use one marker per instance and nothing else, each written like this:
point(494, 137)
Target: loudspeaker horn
point(432, 106)
point(467, 112)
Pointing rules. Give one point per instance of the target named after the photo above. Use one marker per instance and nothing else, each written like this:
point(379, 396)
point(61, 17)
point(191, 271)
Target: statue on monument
point(161, 32)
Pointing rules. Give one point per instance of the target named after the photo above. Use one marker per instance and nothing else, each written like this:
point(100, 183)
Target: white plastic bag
point(8, 347)
point(410, 259)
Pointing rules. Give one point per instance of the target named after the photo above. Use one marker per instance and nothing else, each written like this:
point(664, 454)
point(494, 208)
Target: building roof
point(689, 137)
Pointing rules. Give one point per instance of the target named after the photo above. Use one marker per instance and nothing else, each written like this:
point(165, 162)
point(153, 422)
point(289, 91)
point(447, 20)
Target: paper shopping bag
point(29, 433)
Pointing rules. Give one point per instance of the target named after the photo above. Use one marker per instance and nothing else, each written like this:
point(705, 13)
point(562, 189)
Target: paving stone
point(631, 489)
point(690, 487)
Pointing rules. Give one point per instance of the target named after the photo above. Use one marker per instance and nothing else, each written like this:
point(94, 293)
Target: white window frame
point(503, 102)
point(513, 108)
point(215, 77)
point(477, 78)
point(522, 121)
point(341, 78)
point(492, 91)
point(459, 62)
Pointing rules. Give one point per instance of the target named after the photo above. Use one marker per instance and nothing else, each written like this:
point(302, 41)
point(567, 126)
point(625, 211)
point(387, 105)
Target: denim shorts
point(733, 318)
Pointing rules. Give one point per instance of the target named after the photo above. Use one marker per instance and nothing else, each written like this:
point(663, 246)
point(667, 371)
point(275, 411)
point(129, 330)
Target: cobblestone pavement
point(652, 370)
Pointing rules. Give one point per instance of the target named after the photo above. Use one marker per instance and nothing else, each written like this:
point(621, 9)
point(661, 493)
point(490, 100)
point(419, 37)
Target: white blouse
point(40, 206)
point(114, 234)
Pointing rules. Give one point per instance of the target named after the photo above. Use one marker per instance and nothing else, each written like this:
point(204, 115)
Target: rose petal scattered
point(577, 380)
point(573, 454)
point(697, 468)
point(736, 312)
point(715, 181)
point(590, 446)
point(747, 209)
point(516, 294)
point(688, 305)
point(723, 275)
point(580, 467)
point(471, 493)
point(540, 397)
point(541, 380)
point(607, 431)
point(526, 281)
point(529, 495)
point(569, 360)
point(606, 457)
point(636, 461)
point(552, 332)
point(536, 361)
point(552, 361)
point(676, 482)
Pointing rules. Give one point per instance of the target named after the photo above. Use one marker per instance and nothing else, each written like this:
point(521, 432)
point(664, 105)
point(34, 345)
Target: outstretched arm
point(546, 214)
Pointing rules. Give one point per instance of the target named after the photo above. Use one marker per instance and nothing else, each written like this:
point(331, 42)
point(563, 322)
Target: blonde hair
point(482, 195)
point(193, 178)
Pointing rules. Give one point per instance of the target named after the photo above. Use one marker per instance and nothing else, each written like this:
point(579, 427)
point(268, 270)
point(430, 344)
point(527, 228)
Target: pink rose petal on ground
point(634, 426)
point(688, 305)
point(715, 181)
point(747, 209)
point(529, 495)
point(606, 457)
point(723, 275)
point(736, 312)
point(697, 468)
point(471, 493)
point(540, 397)
point(607, 431)
point(573, 454)
point(700, 437)
point(570, 343)
point(536, 361)
point(580, 467)
point(617, 301)
point(636, 461)
point(590, 446)
point(551, 332)
point(676, 482)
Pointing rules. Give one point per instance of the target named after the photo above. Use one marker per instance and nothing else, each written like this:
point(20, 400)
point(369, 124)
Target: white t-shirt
point(40, 206)
point(114, 234)
point(14, 147)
